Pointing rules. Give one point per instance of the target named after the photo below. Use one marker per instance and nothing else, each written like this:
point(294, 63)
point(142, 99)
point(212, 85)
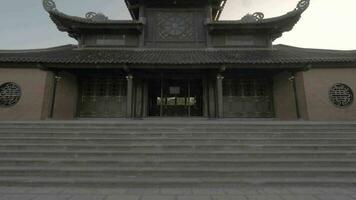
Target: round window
point(341, 95)
point(10, 94)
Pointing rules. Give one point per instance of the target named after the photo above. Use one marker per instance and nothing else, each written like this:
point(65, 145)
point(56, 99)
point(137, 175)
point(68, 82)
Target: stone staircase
point(176, 153)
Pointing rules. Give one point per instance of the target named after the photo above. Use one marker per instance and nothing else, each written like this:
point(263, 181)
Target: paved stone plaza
point(238, 193)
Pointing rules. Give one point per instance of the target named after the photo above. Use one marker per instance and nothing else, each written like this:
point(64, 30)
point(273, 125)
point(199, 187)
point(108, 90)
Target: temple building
point(176, 58)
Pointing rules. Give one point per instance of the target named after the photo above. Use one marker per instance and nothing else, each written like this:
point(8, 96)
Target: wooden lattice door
point(103, 97)
point(248, 97)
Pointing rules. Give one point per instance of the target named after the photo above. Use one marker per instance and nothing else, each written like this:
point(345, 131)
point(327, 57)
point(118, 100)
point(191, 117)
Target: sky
point(327, 24)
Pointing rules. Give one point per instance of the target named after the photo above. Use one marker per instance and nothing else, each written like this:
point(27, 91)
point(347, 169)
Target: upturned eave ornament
point(49, 5)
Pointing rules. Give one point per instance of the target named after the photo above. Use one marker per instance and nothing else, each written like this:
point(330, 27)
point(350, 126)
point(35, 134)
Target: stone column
point(220, 103)
point(129, 79)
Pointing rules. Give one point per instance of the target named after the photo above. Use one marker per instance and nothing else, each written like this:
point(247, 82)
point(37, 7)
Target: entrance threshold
point(178, 119)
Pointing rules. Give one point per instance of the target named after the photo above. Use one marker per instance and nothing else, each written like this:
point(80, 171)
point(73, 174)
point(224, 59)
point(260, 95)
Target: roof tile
point(280, 54)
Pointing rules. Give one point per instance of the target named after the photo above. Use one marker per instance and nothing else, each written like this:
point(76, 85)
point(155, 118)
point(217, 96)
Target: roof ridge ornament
point(49, 5)
point(302, 5)
point(259, 16)
point(255, 17)
point(97, 17)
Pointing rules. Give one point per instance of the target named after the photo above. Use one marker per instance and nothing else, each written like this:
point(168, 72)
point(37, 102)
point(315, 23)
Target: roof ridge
point(280, 46)
point(67, 46)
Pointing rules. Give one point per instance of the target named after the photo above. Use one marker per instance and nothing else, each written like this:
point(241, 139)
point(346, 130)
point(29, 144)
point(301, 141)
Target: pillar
point(129, 79)
point(220, 103)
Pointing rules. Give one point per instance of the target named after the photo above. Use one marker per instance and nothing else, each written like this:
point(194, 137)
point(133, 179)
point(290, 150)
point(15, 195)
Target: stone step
point(168, 153)
point(181, 155)
point(172, 129)
point(157, 169)
point(174, 121)
point(185, 125)
point(281, 163)
point(163, 172)
point(52, 159)
point(169, 141)
point(159, 151)
point(146, 134)
point(132, 182)
point(180, 147)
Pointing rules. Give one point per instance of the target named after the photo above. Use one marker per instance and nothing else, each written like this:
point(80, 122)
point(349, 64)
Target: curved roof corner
point(275, 26)
point(75, 25)
point(258, 17)
point(90, 17)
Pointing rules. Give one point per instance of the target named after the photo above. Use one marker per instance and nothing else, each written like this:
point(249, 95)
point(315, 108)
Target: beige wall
point(36, 87)
point(65, 106)
point(313, 90)
point(284, 99)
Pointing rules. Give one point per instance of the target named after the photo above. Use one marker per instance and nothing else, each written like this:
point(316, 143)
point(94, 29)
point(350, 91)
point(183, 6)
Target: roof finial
point(49, 5)
point(303, 5)
point(255, 17)
point(98, 17)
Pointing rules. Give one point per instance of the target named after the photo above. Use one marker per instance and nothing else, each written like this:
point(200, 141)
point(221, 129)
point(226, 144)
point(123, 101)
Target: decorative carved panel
point(341, 95)
point(175, 26)
point(10, 94)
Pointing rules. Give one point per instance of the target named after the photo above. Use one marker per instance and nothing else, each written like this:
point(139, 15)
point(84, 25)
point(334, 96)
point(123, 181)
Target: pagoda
point(176, 58)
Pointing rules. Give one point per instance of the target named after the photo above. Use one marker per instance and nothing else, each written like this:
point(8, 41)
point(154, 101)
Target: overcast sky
point(327, 24)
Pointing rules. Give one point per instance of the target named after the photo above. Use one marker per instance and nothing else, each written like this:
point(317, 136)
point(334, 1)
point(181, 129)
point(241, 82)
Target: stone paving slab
point(299, 197)
point(87, 197)
point(51, 197)
point(334, 197)
point(264, 197)
point(158, 197)
point(228, 193)
point(194, 197)
point(176, 191)
point(229, 197)
point(18, 197)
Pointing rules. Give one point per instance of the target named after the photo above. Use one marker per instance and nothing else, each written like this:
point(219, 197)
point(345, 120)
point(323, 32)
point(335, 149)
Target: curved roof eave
point(277, 25)
point(60, 15)
point(67, 23)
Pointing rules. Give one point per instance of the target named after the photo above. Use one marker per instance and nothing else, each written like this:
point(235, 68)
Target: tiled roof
point(280, 54)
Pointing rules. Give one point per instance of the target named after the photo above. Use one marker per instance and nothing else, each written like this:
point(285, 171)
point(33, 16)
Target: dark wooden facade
point(175, 58)
point(175, 93)
point(169, 82)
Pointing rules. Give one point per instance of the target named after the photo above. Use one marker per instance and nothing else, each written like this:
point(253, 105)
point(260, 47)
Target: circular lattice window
point(341, 95)
point(10, 94)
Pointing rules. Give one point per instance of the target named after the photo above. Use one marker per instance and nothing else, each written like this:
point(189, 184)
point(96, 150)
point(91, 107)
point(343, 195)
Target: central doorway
point(176, 98)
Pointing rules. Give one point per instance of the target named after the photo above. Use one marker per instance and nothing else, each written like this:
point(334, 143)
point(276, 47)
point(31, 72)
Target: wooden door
point(248, 97)
point(102, 97)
